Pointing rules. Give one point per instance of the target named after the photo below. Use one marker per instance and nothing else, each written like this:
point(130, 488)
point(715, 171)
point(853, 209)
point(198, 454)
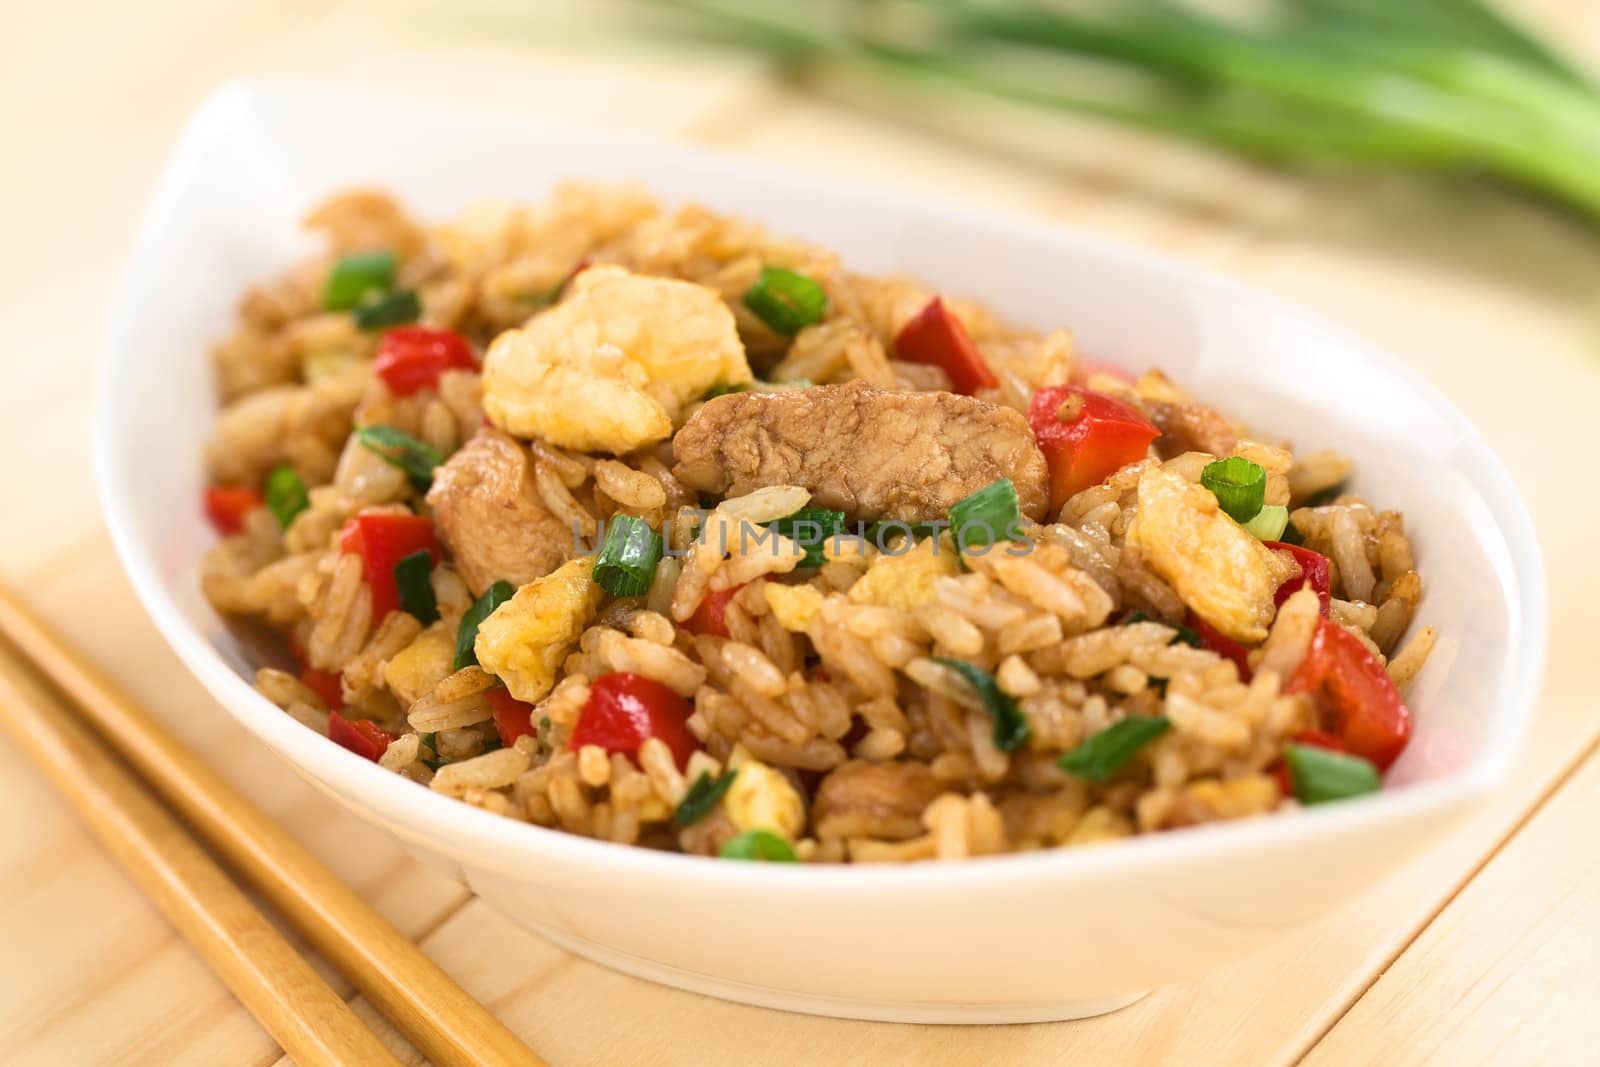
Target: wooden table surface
point(1480, 950)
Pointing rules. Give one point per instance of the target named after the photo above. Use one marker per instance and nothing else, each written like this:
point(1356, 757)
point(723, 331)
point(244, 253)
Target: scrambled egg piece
point(610, 367)
point(794, 606)
point(761, 798)
point(525, 641)
point(906, 581)
point(412, 672)
point(1217, 567)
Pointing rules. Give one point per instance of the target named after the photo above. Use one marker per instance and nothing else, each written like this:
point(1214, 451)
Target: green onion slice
point(357, 278)
point(1291, 535)
point(482, 608)
point(400, 449)
point(723, 389)
point(628, 557)
point(411, 578)
point(390, 309)
point(286, 494)
point(1320, 775)
point(811, 529)
point(759, 845)
point(787, 302)
point(1239, 485)
point(1107, 752)
point(987, 517)
point(702, 797)
point(1269, 523)
point(1010, 725)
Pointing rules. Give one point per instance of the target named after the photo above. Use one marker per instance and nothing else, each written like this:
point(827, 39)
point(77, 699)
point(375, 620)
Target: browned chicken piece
point(870, 453)
point(491, 517)
point(883, 800)
point(1191, 428)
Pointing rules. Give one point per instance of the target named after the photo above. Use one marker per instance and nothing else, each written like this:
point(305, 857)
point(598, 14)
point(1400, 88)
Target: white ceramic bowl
point(1050, 935)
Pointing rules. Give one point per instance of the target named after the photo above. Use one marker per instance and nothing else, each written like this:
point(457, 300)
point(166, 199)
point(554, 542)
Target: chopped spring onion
point(759, 845)
point(787, 302)
point(1320, 775)
point(883, 534)
point(702, 797)
point(286, 494)
point(811, 529)
point(356, 278)
point(987, 517)
point(390, 309)
point(482, 608)
point(1010, 726)
point(627, 561)
point(1239, 485)
point(1324, 497)
point(1291, 535)
point(723, 389)
point(400, 449)
point(413, 579)
point(1269, 522)
point(1108, 751)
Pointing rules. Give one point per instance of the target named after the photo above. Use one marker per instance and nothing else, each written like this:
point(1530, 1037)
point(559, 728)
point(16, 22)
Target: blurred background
point(1423, 172)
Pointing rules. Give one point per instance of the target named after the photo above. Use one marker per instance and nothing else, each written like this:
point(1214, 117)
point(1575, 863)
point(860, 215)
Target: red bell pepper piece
point(1314, 568)
point(512, 717)
point(711, 617)
point(936, 336)
point(1099, 436)
point(1314, 738)
point(626, 710)
point(412, 358)
point(325, 684)
point(383, 539)
point(227, 505)
point(365, 738)
point(1354, 694)
point(1221, 644)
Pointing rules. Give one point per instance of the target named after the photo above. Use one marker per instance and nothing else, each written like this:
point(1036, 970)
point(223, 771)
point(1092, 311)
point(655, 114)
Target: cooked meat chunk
point(861, 799)
point(870, 453)
point(491, 517)
point(1191, 428)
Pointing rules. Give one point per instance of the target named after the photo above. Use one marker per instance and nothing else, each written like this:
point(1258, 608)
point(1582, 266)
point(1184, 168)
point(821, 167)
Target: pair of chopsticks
point(312, 1023)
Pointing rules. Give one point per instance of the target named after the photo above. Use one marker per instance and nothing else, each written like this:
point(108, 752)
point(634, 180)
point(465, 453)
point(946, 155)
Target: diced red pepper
point(383, 539)
point(412, 358)
point(227, 505)
point(1354, 694)
point(325, 684)
point(711, 617)
point(365, 738)
point(1314, 568)
point(1084, 369)
point(626, 710)
point(1314, 738)
point(1221, 644)
point(1086, 437)
point(512, 717)
point(934, 335)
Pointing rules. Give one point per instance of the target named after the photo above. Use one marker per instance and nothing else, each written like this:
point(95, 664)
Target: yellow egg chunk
point(794, 606)
point(611, 367)
point(525, 641)
point(761, 798)
point(905, 582)
point(412, 672)
point(1216, 566)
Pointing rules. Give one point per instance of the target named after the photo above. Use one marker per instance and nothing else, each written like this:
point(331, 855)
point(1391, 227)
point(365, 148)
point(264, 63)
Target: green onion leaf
point(1107, 752)
point(357, 278)
point(1320, 775)
point(390, 309)
point(482, 608)
point(787, 302)
point(1010, 725)
point(400, 449)
point(1324, 497)
point(987, 517)
point(1269, 522)
point(411, 578)
point(759, 845)
point(723, 389)
point(627, 561)
point(286, 494)
point(1185, 636)
point(1239, 485)
point(702, 797)
point(1291, 535)
point(811, 529)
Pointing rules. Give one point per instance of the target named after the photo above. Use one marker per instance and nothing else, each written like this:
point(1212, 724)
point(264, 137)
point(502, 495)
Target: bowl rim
point(489, 841)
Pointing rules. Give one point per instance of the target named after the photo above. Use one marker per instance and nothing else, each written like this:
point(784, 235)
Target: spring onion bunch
point(1441, 86)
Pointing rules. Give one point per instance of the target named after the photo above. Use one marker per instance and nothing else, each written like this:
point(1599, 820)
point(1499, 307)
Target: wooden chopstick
point(290, 1000)
point(438, 1016)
